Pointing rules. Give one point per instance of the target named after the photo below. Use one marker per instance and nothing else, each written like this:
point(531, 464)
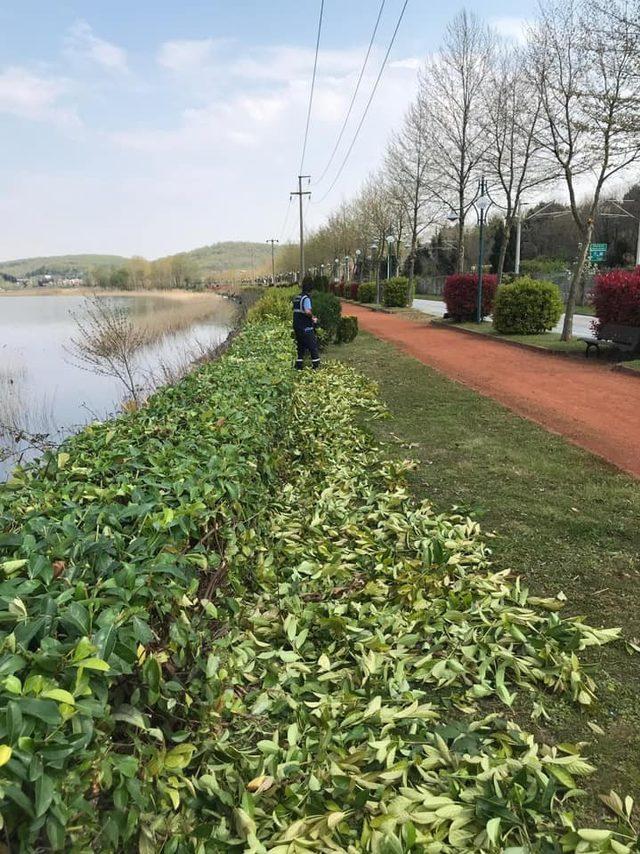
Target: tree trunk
point(506, 234)
point(412, 267)
point(567, 328)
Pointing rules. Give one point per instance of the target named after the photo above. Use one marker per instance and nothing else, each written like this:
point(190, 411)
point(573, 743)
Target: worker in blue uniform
point(304, 324)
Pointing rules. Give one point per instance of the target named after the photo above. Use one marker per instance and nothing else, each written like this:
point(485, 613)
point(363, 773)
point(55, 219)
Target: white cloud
point(512, 28)
point(185, 55)
point(83, 42)
point(413, 63)
point(32, 96)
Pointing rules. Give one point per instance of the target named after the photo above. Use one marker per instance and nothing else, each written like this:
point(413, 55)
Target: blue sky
point(152, 127)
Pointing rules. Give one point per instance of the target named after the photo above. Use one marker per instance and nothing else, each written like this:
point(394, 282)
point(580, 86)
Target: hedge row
point(394, 292)
point(227, 627)
point(111, 551)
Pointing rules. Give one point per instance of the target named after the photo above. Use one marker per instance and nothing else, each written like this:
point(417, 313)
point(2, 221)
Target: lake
point(44, 390)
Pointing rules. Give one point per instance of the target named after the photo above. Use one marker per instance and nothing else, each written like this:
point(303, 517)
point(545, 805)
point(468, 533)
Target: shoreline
point(177, 295)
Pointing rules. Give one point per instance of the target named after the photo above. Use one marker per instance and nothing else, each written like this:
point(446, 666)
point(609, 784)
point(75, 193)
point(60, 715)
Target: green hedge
point(396, 292)
point(347, 329)
point(274, 305)
point(527, 307)
point(226, 626)
point(367, 292)
point(105, 549)
point(327, 308)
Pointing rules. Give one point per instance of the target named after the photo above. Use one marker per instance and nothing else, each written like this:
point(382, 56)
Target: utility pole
point(272, 241)
point(300, 193)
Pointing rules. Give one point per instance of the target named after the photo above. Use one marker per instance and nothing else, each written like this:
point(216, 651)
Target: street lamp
point(358, 266)
point(482, 206)
point(336, 261)
point(374, 254)
point(390, 241)
point(346, 269)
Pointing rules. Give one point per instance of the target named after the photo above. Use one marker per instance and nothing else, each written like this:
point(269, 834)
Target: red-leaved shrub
point(616, 298)
point(461, 295)
point(353, 290)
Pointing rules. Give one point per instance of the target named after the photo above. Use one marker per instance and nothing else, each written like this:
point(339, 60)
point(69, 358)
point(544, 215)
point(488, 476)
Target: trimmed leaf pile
point(226, 626)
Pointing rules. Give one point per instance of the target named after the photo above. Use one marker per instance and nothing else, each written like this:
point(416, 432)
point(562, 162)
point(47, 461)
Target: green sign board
point(597, 252)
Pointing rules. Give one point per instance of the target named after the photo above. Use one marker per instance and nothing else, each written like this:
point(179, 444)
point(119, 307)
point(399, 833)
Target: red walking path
point(588, 403)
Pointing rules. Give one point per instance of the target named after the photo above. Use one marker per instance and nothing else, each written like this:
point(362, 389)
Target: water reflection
point(42, 391)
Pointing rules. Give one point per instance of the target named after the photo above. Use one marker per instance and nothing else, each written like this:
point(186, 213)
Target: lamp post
point(358, 265)
point(390, 242)
point(482, 205)
point(346, 269)
point(374, 255)
point(336, 261)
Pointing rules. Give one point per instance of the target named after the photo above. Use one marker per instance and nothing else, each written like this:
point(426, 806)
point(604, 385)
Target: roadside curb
point(441, 324)
point(380, 309)
point(623, 369)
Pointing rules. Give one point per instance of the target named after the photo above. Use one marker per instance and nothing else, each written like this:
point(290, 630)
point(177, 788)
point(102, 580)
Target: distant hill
point(59, 265)
point(231, 255)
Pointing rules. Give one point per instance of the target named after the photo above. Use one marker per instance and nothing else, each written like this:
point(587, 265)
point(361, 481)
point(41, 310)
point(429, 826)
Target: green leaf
point(92, 664)
point(44, 794)
point(60, 696)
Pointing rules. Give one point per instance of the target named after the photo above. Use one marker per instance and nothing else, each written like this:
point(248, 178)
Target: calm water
point(42, 391)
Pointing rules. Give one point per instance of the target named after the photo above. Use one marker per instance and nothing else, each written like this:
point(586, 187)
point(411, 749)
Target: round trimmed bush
point(396, 292)
point(461, 295)
point(527, 307)
point(347, 328)
point(367, 292)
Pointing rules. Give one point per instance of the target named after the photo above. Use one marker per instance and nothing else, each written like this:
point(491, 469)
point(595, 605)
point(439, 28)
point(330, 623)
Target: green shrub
point(527, 307)
point(542, 266)
point(327, 309)
point(347, 329)
point(367, 292)
point(396, 292)
point(275, 304)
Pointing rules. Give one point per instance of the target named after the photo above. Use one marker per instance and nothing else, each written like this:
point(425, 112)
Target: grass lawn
point(546, 341)
point(589, 310)
point(561, 518)
point(634, 364)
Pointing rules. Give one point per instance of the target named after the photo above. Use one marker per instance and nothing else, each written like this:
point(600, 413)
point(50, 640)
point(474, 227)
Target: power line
point(355, 94)
point(286, 219)
point(366, 109)
point(313, 83)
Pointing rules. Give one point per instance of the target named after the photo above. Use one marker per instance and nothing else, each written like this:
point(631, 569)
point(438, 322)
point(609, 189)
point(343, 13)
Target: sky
point(153, 127)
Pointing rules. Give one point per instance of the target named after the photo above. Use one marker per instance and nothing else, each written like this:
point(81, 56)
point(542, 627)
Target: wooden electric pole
point(300, 193)
point(272, 241)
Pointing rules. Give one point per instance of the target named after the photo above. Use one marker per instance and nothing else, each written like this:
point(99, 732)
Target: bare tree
point(512, 119)
point(590, 104)
point(107, 343)
point(409, 165)
point(451, 93)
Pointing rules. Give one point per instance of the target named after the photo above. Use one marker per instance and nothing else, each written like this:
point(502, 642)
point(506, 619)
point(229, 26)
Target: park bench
point(621, 337)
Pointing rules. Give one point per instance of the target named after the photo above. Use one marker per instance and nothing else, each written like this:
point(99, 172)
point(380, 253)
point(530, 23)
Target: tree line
point(559, 112)
point(174, 271)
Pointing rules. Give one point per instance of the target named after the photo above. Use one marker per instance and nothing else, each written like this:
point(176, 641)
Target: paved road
point(581, 324)
point(584, 400)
